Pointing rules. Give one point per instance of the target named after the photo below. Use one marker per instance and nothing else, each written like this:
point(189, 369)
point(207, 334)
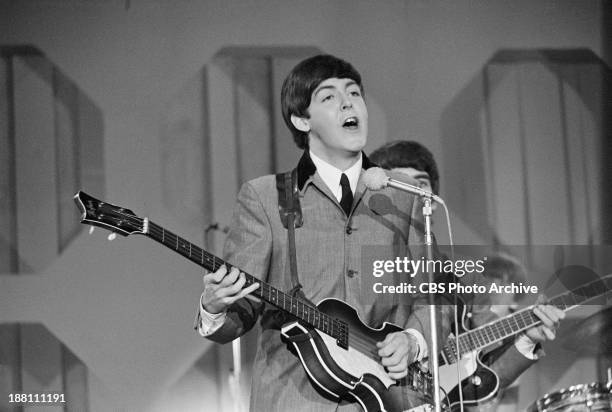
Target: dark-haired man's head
point(322, 104)
point(504, 270)
point(411, 158)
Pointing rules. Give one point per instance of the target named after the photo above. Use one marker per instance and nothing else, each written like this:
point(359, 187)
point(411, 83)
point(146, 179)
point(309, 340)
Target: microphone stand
point(236, 370)
point(433, 350)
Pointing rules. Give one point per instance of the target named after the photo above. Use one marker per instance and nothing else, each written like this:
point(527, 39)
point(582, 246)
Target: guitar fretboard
point(515, 323)
point(297, 307)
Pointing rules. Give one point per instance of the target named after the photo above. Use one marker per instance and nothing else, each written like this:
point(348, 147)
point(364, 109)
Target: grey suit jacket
point(329, 250)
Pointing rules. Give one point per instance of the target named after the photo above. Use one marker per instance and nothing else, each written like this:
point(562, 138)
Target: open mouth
point(351, 123)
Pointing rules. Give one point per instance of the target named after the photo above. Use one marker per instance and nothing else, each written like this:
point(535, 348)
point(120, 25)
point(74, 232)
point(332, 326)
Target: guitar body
point(479, 383)
point(350, 374)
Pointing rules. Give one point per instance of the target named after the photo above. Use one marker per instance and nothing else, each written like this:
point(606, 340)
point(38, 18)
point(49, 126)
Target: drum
point(580, 398)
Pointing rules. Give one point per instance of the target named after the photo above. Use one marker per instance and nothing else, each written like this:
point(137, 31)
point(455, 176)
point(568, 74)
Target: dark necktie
point(347, 196)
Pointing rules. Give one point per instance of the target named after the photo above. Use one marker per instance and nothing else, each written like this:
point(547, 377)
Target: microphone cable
point(455, 305)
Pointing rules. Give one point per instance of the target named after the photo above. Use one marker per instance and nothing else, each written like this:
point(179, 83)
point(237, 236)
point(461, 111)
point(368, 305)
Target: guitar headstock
point(114, 218)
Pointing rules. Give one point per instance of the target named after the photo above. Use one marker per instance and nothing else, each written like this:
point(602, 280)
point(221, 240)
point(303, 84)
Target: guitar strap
point(290, 212)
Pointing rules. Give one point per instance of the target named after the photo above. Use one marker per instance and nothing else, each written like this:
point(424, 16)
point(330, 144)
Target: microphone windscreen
point(375, 178)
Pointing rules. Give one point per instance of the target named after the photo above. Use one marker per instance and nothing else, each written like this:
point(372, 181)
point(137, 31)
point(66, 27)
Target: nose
point(346, 103)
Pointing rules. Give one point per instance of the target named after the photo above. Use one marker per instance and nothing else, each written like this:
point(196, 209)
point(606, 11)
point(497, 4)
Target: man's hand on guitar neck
point(397, 351)
point(221, 289)
point(550, 317)
point(528, 343)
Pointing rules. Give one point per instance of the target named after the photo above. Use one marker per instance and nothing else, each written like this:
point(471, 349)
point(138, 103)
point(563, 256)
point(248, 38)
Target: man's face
point(418, 175)
point(338, 122)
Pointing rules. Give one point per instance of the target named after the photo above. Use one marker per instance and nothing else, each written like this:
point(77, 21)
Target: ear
point(300, 123)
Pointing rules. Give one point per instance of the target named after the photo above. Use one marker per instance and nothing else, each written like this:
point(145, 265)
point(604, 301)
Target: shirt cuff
point(209, 323)
point(527, 347)
point(421, 344)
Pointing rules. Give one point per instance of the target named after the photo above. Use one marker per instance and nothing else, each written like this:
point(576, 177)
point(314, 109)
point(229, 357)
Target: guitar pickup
point(342, 335)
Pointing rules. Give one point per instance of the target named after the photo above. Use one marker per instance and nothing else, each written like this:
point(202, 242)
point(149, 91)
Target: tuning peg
point(112, 236)
point(91, 229)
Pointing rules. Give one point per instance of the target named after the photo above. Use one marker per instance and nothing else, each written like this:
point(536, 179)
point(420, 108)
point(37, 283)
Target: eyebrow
point(348, 84)
point(423, 175)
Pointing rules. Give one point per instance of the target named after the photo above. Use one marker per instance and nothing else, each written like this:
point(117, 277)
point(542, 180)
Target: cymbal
point(592, 336)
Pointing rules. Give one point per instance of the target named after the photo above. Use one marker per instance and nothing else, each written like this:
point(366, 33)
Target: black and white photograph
point(322, 205)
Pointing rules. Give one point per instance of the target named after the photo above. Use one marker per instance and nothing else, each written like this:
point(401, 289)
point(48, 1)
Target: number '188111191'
point(36, 398)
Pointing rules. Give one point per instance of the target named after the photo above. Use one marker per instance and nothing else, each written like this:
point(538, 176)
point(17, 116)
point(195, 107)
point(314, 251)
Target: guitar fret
point(474, 339)
point(498, 329)
point(508, 325)
point(480, 338)
point(519, 320)
point(463, 347)
point(487, 335)
point(483, 337)
point(516, 321)
point(527, 319)
point(471, 341)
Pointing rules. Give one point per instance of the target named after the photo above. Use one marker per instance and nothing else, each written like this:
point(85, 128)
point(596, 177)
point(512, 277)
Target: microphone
point(375, 178)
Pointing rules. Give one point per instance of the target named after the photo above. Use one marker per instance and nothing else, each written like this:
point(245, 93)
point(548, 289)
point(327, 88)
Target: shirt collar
point(306, 168)
point(331, 174)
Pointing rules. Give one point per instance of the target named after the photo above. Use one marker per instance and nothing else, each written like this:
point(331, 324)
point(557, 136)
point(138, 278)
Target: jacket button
point(349, 230)
point(351, 273)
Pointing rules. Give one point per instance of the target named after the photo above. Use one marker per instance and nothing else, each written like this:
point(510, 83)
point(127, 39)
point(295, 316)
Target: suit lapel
point(320, 184)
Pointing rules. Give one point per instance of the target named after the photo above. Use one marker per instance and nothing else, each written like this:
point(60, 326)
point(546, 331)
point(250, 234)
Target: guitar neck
point(515, 323)
point(300, 309)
